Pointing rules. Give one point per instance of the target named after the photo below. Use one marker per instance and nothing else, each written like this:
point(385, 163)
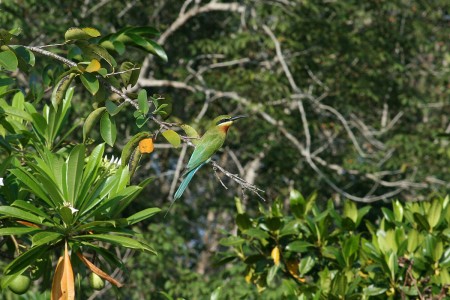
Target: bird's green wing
point(207, 146)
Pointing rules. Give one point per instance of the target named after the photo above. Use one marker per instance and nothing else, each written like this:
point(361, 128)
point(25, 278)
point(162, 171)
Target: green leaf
point(422, 221)
point(172, 137)
point(273, 224)
point(191, 133)
point(108, 129)
point(306, 264)
point(351, 245)
point(256, 233)
point(75, 33)
point(18, 230)
point(414, 240)
point(143, 102)
point(144, 31)
point(392, 263)
point(129, 77)
point(25, 57)
point(6, 81)
point(91, 120)
point(141, 121)
point(243, 221)
point(398, 211)
point(119, 47)
point(8, 60)
point(112, 108)
point(93, 51)
point(25, 260)
point(297, 204)
point(388, 214)
point(28, 206)
point(142, 215)
point(157, 50)
point(299, 246)
point(46, 237)
point(32, 184)
point(118, 240)
point(20, 214)
point(90, 82)
point(272, 273)
point(216, 295)
point(15, 112)
point(372, 290)
point(350, 210)
point(74, 172)
point(39, 123)
point(434, 213)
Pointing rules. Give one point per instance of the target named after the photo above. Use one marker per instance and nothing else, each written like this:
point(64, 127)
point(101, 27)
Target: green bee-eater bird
point(208, 144)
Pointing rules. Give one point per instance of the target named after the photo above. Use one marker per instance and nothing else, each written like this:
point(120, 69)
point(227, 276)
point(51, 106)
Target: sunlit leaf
point(172, 137)
point(8, 60)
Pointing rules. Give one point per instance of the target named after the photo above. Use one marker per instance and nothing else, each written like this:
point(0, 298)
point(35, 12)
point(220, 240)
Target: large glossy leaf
point(91, 120)
point(172, 137)
point(256, 233)
point(108, 129)
point(90, 82)
point(74, 172)
point(8, 60)
point(118, 240)
point(75, 33)
point(191, 133)
point(130, 75)
point(112, 108)
point(143, 102)
point(272, 273)
point(434, 213)
point(20, 214)
point(90, 174)
point(28, 206)
point(18, 230)
point(15, 112)
point(142, 215)
point(306, 264)
point(46, 237)
point(299, 246)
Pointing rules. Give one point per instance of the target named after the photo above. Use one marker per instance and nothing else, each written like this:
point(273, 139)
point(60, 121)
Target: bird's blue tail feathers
point(183, 186)
point(186, 182)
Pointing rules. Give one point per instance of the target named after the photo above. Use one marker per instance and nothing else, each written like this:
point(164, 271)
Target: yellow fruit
point(276, 255)
point(96, 282)
point(20, 284)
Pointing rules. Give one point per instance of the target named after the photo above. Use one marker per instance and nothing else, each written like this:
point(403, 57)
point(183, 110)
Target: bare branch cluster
point(364, 139)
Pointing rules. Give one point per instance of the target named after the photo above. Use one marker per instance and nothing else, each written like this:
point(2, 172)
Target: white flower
point(1, 181)
point(113, 161)
point(73, 209)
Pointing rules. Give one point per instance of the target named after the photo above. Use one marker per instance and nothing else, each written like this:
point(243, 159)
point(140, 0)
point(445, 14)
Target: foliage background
point(373, 62)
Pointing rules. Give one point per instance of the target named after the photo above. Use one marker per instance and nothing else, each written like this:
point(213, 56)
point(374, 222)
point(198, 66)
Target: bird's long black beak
point(238, 117)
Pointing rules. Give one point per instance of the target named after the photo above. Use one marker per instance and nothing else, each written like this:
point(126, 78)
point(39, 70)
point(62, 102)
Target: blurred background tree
point(349, 98)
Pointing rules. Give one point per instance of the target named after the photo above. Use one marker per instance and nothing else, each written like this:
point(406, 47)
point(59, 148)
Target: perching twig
point(244, 184)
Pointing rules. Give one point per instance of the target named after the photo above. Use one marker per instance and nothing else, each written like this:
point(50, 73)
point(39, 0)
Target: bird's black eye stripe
point(223, 121)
